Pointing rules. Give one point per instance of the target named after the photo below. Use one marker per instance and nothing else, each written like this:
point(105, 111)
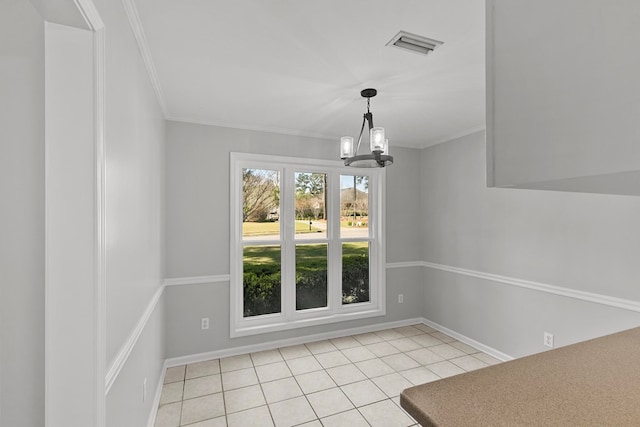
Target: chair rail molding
point(625, 304)
point(196, 280)
point(122, 356)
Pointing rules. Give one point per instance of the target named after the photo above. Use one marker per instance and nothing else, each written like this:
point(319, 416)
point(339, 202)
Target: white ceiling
point(297, 66)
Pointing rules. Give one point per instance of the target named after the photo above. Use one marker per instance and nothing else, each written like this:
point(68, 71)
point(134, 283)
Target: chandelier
point(378, 145)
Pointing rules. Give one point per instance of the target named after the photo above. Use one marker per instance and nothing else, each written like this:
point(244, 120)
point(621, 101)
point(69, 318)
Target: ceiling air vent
point(414, 43)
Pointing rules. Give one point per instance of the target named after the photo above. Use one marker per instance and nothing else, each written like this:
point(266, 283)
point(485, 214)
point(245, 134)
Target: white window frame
point(289, 317)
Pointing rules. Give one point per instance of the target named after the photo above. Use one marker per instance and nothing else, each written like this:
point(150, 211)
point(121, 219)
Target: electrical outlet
point(144, 390)
point(400, 298)
point(548, 339)
point(204, 323)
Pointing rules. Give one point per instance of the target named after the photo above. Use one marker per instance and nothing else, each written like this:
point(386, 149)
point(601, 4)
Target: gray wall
point(70, 344)
point(21, 215)
point(124, 401)
point(134, 193)
point(134, 227)
point(557, 116)
point(197, 224)
point(585, 242)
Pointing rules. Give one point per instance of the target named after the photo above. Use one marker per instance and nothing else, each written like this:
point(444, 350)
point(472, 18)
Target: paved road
point(345, 232)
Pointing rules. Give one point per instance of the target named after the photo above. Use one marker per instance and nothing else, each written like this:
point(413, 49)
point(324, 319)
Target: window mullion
point(377, 244)
point(335, 249)
point(237, 305)
point(288, 243)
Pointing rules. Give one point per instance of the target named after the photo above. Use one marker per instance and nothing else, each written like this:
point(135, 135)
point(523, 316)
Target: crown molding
point(90, 14)
point(454, 136)
point(138, 31)
point(244, 126)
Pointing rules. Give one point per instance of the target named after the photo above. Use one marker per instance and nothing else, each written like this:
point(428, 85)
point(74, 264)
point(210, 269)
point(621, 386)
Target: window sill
point(248, 330)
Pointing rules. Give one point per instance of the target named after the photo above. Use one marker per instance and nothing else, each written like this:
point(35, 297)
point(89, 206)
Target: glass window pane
point(355, 272)
point(261, 280)
point(260, 204)
point(354, 206)
point(311, 276)
point(310, 205)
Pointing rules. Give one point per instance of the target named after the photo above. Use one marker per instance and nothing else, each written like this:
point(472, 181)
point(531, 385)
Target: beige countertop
point(592, 383)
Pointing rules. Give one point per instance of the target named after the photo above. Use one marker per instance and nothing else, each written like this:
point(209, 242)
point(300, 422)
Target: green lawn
point(307, 256)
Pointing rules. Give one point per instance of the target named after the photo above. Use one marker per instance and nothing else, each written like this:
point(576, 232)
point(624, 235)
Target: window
point(306, 243)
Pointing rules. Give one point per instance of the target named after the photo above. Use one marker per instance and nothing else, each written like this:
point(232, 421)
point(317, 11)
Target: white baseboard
point(177, 361)
point(156, 398)
point(122, 356)
point(473, 343)
point(234, 351)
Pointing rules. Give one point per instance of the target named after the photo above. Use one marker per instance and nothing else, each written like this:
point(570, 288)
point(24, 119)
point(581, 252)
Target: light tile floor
point(350, 381)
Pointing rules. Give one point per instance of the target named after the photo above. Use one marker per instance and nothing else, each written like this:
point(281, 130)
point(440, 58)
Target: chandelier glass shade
point(378, 144)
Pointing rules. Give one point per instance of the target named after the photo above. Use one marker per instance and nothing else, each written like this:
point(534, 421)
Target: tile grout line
point(305, 394)
point(361, 341)
point(264, 396)
point(224, 398)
